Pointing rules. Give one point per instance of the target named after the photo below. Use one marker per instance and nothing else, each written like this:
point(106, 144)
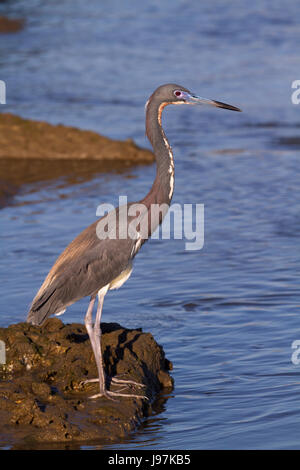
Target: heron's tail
point(45, 303)
point(39, 310)
point(34, 318)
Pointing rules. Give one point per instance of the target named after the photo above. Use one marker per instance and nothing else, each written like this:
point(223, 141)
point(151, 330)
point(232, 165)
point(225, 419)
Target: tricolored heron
point(92, 265)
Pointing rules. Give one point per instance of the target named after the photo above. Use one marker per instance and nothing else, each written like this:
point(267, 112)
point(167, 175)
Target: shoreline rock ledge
point(43, 399)
point(26, 138)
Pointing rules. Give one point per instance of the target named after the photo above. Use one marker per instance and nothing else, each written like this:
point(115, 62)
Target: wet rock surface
point(43, 399)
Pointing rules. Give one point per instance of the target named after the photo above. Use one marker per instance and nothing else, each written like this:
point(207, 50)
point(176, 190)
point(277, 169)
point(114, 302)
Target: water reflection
point(20, 173)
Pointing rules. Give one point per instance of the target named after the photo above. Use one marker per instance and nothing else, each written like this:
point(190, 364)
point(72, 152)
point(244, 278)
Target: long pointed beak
point(193, 99)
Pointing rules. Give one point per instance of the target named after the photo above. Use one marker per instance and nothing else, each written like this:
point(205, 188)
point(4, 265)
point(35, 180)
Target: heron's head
point(176, 94)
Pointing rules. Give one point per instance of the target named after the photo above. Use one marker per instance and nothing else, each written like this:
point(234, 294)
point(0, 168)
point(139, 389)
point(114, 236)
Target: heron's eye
point(178, 93)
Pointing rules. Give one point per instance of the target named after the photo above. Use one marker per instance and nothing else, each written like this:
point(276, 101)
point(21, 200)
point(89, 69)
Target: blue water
point(226, 315)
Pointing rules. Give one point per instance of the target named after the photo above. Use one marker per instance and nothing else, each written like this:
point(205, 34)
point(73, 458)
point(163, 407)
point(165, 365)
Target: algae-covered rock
point(43, 399)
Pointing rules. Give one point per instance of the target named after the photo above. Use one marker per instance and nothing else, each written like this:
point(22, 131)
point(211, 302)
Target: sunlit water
point(226, 315)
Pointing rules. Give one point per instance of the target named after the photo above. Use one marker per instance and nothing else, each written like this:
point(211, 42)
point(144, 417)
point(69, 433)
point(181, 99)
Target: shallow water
point(226, 315)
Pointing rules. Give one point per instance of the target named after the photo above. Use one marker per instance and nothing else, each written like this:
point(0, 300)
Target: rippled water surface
point(226, 315)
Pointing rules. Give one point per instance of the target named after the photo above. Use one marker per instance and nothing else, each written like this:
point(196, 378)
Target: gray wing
point(86, 265)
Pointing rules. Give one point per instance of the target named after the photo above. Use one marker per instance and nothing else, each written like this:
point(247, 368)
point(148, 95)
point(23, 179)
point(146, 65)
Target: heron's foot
point(110, 395)
point(121, 382)
point(127, 382)
point(115, 380)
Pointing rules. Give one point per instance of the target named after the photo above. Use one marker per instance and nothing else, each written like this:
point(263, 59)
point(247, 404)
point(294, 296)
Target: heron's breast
point(119, 280)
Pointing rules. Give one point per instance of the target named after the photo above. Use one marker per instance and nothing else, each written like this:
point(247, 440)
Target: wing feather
point(84, 267)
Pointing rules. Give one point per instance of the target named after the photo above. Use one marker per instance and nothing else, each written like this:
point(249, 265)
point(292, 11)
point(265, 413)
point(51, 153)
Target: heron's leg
point(88, 321)
point(95, 336)
point(97, 339)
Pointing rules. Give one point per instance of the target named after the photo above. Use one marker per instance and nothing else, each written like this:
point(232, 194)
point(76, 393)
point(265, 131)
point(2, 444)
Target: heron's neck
point(163, 185)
